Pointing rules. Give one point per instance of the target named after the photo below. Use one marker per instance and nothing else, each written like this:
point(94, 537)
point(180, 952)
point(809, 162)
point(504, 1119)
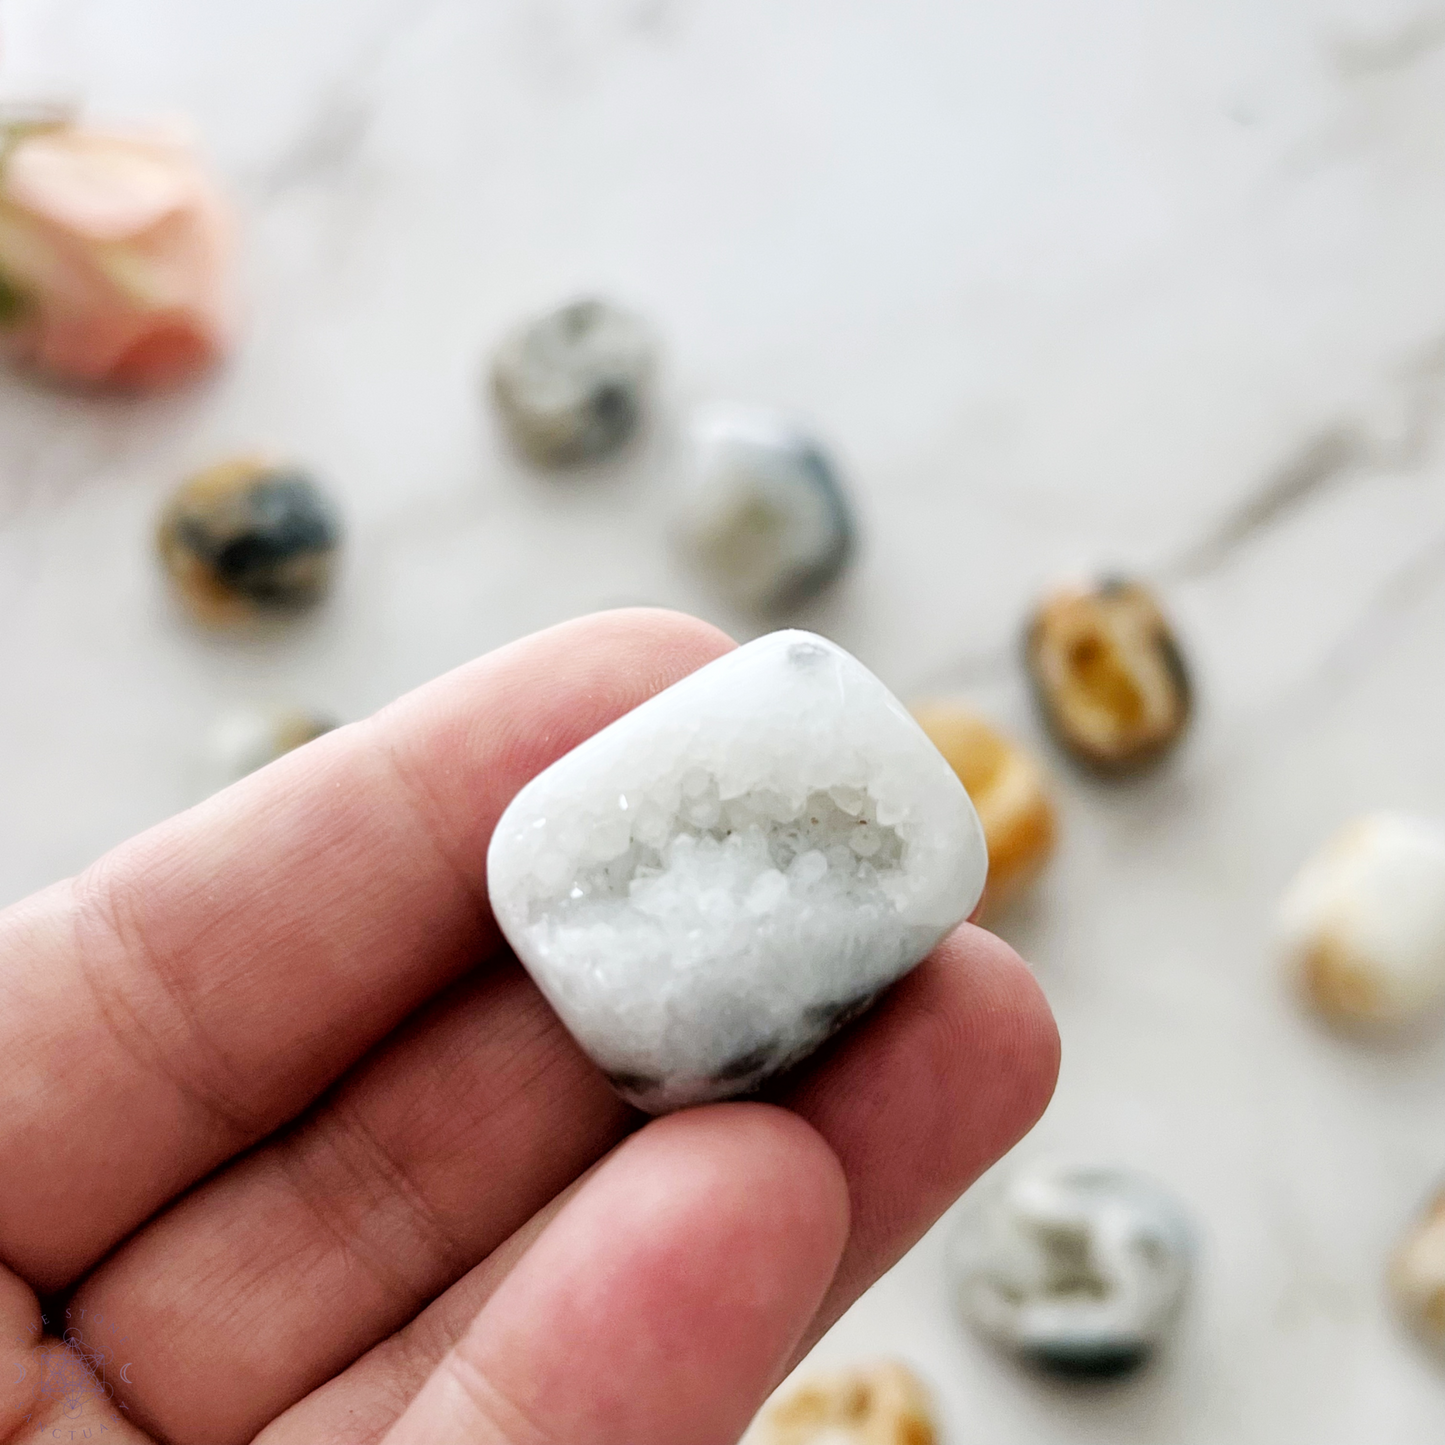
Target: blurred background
point(1158, 286)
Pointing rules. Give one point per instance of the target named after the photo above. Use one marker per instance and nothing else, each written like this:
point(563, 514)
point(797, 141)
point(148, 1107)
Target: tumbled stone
point(713, 884)
point(1108, 674)
point(1010, 790)
point(248, 539)
point(248, 739)
point(1362, 926)
point(882, 1404)
point(1417, 1275)
point(1081, 1271)
point(570, 384)
point(762, 511)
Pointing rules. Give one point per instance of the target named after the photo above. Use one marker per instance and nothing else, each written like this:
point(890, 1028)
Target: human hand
point(292, 1141)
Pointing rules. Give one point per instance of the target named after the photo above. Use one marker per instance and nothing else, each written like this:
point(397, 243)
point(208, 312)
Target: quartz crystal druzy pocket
point(712, 885)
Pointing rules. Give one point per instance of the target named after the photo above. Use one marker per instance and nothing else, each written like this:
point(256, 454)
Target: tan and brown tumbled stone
point(1108, 674)
point(881, 1404)
point(1362, 925)
point(1010, 790)
point(247, 540)
point(1417, 1274)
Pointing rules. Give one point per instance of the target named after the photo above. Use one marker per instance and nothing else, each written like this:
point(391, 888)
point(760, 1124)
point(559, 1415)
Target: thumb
point(662, 1304)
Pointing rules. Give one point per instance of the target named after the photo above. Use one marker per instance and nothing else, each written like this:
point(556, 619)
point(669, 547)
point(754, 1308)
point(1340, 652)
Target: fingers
point(361, 1404)
point(660, 1305)
point(50, 1390)
point(202, 983)
point(953, 1068)
point(327, 1238)
point(916, 1099)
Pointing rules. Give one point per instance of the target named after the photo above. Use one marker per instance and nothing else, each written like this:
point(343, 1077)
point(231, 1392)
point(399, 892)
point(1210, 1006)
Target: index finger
point(202, 983)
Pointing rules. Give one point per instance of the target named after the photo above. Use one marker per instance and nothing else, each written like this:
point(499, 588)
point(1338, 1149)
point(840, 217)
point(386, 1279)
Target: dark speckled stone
point(571, 385)
point(247, 540)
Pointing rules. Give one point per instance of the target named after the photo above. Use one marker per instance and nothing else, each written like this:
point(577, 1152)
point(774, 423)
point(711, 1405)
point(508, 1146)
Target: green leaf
point(12, 303)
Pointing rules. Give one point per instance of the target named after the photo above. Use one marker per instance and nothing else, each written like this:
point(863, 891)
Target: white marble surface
point(1153, 283)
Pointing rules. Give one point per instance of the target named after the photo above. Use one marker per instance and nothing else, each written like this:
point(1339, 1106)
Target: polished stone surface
point(248, 541)
point(761, 510)
point(1081, 1271)
point(246, 739)
point(1362, 926)
point(1154, 288)
point(1010, 788)
point(718, 881)
point(1109, 675)
point(571, 385)
point(882, 1403)
point(1417, 1275)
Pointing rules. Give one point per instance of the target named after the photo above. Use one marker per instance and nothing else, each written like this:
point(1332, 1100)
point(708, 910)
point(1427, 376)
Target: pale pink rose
point(114, 256)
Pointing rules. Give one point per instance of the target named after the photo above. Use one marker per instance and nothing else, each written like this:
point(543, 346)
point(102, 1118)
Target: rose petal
point(173, 352)
point(99, 185)
point(120, 246)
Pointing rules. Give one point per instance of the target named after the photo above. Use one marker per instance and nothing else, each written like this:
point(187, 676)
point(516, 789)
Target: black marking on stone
point(831, 1017)
point(749, 1063)
point(1178, 671)
point(614, 411)
point(284, 520)
point(824, 1020)
point(1097, 1362)
point(806, 581)
point(764, 1062)
point(626, 1083)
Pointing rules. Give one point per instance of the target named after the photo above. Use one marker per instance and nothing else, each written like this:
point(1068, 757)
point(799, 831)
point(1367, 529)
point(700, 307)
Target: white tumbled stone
point(761, 510)
point(1417, 1274)
point(1081, 1271)
point(709, 887)
point(242, 741)
point(1362, 927)
point(571, 384)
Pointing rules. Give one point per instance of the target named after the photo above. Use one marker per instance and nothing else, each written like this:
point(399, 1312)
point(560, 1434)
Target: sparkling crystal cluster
point(710, 886)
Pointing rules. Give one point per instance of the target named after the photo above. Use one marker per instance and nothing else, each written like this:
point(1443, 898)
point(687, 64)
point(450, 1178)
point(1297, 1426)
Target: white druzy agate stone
point(712, 885)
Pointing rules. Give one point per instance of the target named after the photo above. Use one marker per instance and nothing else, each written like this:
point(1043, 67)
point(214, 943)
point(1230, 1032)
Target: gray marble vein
point(1360, 56)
